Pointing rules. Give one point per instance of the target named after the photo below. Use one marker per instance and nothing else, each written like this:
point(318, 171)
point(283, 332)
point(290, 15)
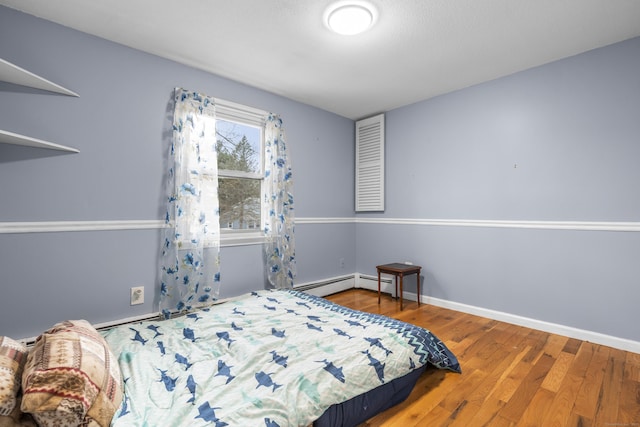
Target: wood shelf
point(11, 73)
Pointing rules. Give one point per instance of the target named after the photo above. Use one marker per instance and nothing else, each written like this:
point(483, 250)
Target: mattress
point(274, 358)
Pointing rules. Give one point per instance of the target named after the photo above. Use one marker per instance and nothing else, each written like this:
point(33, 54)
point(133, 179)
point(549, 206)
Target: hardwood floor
point(511, 375)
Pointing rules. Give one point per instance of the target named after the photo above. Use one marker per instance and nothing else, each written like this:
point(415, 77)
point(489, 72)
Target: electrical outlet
point(137, 295)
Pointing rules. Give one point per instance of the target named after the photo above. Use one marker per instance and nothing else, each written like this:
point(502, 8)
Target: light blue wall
point(560, 142)
point(570, 127)
point(120, 123)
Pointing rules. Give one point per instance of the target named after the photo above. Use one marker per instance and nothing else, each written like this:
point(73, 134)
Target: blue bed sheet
point(269, 358)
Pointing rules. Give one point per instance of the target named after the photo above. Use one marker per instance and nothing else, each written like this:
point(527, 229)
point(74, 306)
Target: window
point(240, 148)
point(235, 134)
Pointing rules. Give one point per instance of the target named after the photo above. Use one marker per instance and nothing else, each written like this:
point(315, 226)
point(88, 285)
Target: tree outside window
point(239, 151)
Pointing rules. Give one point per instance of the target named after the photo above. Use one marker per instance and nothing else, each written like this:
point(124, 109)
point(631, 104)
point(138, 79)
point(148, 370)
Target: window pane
point(239, 203)
point(238, 146)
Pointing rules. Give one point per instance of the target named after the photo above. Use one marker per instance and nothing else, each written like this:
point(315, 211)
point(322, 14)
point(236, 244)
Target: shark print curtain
point(278, 206)
point(190, 261)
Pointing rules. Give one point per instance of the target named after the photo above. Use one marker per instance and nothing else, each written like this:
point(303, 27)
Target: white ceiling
point(418, 49)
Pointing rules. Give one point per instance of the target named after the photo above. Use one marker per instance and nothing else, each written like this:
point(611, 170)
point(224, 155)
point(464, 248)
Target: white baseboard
point(368, 282)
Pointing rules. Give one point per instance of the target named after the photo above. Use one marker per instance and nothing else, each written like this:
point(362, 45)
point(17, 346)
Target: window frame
point(249, 116)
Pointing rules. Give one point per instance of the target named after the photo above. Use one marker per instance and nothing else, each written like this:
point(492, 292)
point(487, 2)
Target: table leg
point(378, 287)
point(418, 287)
point(401, 297)
point(396, 282)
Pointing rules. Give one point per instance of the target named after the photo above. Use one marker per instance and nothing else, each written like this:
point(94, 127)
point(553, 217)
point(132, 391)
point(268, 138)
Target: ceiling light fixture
point(350, 17)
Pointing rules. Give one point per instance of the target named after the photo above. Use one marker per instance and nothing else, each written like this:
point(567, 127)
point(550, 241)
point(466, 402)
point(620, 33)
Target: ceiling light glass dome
point(350, 18)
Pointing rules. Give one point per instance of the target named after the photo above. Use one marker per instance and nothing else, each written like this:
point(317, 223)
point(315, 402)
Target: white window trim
point(240, 113)
point(225, 173)
point(241, 238)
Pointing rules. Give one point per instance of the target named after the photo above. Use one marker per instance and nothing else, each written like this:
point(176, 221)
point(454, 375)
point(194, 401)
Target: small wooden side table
point(399, 269)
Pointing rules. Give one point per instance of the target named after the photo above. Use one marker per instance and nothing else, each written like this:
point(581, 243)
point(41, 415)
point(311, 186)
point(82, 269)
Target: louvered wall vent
point(370, 164)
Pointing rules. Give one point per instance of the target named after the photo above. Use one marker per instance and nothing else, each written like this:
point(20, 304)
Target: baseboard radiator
point(342, 283)
point(328, 286)
point(101, 327)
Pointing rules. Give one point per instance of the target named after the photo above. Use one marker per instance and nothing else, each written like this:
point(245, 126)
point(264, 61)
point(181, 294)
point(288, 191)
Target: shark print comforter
point(269, 358)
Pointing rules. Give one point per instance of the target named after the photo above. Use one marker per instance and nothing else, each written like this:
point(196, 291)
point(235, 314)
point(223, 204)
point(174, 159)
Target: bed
point(268, 358)
point(272, 358)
